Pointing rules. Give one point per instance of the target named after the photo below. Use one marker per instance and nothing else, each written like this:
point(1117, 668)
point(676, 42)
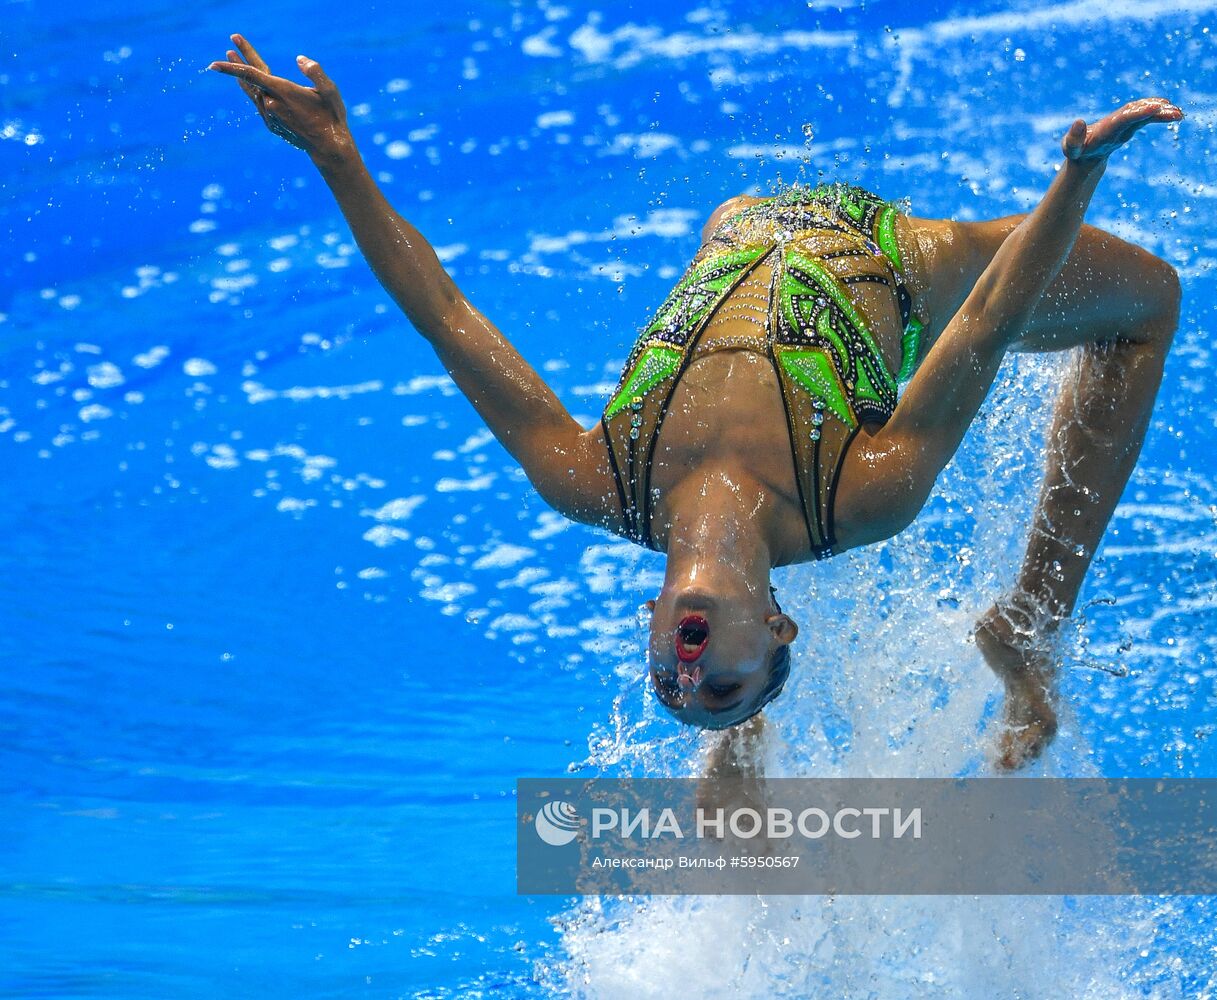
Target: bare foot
point(1020, 654)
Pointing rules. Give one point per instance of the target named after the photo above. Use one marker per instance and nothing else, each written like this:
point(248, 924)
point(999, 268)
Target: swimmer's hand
point(310, 118)
point(1094, 143)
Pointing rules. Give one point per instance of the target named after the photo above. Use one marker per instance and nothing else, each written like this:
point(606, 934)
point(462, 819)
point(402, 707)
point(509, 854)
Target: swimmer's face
point(712, 657)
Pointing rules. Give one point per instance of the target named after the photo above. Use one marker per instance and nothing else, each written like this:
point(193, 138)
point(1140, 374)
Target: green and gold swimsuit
point(780, 270)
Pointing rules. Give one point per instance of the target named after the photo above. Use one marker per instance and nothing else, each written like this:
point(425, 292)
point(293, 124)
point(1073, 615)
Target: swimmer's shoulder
point(578, 481)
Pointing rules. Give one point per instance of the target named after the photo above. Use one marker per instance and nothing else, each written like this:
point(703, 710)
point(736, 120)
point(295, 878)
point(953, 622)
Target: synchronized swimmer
point(759, 421)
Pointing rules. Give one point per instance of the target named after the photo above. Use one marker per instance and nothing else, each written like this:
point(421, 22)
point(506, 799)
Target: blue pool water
point(280, 624)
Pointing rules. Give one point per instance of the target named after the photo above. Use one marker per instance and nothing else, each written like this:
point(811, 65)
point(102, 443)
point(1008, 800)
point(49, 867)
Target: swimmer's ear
point(784, 628)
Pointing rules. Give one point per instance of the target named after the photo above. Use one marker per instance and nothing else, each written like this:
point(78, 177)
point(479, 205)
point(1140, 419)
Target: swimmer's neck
point(717, 532)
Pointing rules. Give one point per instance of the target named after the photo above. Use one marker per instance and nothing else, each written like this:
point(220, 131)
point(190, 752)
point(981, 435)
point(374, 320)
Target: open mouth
point(692, 634)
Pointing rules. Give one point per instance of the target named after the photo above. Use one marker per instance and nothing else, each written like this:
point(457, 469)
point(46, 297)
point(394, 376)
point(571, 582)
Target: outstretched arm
point(887, 476)
point(569, 467)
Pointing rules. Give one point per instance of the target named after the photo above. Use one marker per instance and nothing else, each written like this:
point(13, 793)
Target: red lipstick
point(692, 635)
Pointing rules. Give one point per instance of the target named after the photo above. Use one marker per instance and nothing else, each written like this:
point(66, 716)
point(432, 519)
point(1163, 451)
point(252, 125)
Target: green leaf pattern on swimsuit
point(815, 371)
point(793, 289)
point(654, 365)
point(679, 316)
point(849, 206)
point(885, 236)
point(910, 347)
point(823, 326)
point(701, 289)
point(849, 369)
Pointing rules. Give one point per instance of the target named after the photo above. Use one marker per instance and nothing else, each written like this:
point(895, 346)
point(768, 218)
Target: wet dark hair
point(779, 673)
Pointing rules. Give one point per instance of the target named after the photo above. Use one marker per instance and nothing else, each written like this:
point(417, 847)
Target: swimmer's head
point(717, 659)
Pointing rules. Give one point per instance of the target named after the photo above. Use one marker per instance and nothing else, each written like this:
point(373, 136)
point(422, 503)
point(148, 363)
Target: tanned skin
point(728, 510)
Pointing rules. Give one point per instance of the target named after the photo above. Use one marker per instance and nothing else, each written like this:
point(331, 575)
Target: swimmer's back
point(782, 340)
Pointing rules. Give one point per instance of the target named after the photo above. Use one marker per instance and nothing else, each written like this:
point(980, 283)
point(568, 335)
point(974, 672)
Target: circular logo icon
point(557, 823)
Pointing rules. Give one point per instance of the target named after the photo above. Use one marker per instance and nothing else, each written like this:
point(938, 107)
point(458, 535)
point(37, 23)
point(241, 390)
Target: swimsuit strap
point(662, 354)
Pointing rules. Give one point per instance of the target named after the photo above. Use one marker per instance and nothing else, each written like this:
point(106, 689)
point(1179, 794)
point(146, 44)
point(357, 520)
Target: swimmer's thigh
point(1108, 289)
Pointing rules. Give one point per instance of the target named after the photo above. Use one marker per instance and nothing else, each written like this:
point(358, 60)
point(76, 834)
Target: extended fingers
point(251, 92)
point(1157, 109)
point(253, 73)
point(316, 75)
point(250, 75)
point(1164, 111)
point(1113, 130)
point(1136, 114)
point(250, 53)
point(244, 72)
point(1122, 125)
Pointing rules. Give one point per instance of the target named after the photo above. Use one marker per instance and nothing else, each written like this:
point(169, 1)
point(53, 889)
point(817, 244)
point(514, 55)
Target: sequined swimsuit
point(831, 372)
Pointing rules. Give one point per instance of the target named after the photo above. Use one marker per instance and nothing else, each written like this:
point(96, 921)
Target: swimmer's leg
point(1099, 423)
point(1119, 306)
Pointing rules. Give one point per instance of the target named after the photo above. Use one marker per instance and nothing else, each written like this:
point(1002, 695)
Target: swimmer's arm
point(568, 466)
point(886, 477)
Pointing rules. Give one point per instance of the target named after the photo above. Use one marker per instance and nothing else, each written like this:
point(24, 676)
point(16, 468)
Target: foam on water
point(885, 684)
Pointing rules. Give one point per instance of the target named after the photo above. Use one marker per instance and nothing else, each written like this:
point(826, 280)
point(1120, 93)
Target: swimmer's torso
point(785, 337)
